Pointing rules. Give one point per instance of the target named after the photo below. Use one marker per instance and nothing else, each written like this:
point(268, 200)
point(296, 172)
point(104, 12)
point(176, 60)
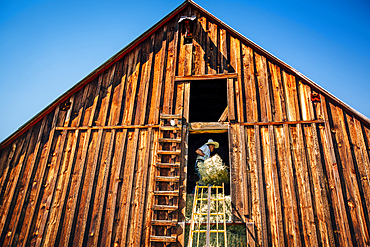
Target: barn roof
point(147, 34)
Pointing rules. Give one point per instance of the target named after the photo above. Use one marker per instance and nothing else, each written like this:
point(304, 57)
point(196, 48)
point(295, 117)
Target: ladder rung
point(167, 179)
point(169, 140)
point(169, 128)
point(162, 239)
point(212, 187)
point(165, 207)
point(168, 165)
point(213, 214)
point(164, 223)
point(167, 116)
point(209, 231)
point(166, 193)
point(168, 152)
point(214, 199)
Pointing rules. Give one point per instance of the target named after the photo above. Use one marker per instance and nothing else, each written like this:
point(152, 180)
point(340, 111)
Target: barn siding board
point(321, 207)
point(290, 213)
point(303, 186)
point(351, 193)
point(343, 232)
point(251, 112)
point(263, 88)
point(291, 97)
point(279, 109)
point(235, 66)
point(23, 183)
point(237, 199)
point(300, 183)
point(198, 66)
point(271, 186)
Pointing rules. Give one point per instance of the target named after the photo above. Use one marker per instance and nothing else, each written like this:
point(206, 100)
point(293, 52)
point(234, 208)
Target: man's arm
point(199, 152)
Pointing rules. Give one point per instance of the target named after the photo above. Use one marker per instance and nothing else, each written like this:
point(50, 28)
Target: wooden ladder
point(167, 178)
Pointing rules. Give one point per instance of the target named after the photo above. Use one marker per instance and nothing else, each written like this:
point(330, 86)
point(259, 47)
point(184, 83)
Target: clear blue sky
point(48, 46)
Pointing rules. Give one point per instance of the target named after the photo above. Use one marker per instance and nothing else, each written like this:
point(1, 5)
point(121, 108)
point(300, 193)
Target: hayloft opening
point(195, 142)
point(208, 100)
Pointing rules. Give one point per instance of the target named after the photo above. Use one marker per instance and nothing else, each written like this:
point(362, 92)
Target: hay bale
point(213, 171)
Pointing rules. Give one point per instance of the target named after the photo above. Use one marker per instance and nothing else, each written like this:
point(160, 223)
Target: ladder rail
point(224, 207)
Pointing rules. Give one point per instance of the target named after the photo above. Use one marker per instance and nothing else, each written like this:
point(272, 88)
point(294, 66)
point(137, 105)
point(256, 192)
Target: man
point(204, 152)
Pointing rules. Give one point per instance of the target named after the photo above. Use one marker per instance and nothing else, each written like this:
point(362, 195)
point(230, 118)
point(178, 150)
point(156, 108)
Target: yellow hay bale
point(213, 171)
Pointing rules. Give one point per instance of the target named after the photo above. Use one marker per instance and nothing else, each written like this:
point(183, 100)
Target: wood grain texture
point(352, 194)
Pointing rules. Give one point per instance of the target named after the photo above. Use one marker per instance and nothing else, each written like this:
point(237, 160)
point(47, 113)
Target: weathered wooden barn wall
point(85, 175)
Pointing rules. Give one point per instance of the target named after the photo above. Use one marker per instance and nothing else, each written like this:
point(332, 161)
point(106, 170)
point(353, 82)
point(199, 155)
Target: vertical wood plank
point(235, 63)
point(69, 221)
point(185, 113)
point(279, 111)
point(38, 180)
point(115, 180)
point(159, 51)
point(223, 58)
point(318, 182)
point(272, 186)
point(16, 186)
point(352, 194)
point(305, 100)
point(61, 189)
point(198, 47)
point(79, 107)
point(137, 232)
point(235, 190)
point(342, 226)
point(362, 159)
point(291, 99)
point(147, 59)
point(119, 95)
point(95, 103)
point(13, 154)
point(230, 99)
point(263, 88)
point(88, 189)
point(49, 189)
point(304, 190)
point(21, 201)
point(131, 86)
point(245, 170)
point(289, 197)
point(101, 190)
point(9, 188)
point(148, 212)
point(258, 199)
point(251, 110)
point(123, 214)
point(211, 48)
point(5, 159)
point(169, 85)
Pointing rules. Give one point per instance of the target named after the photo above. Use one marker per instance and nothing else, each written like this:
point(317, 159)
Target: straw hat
point(211, 142)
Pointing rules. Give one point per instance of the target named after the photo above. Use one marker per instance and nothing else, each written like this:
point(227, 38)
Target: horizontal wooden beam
point(211, 127)
point(286, 122)
point(108, 127)
point(201, 127)
point(206, 77)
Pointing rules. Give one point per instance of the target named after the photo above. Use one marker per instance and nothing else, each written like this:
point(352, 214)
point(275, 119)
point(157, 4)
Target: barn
point(111, 161)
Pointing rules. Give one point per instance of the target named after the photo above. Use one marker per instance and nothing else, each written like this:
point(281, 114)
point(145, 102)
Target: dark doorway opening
point(208, 100)
point(195, 142)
